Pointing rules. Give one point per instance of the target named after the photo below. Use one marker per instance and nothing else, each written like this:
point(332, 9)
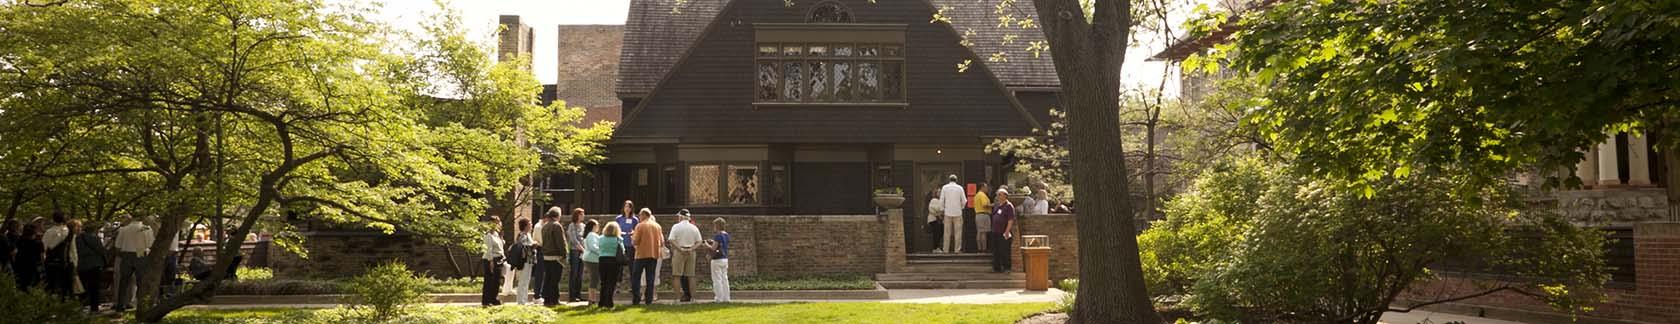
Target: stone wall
point(1064, 243)
point(343, 254)
point(1614, 206)
point(1654, 297)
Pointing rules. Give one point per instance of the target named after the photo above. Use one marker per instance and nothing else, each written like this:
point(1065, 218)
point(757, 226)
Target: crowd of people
point(594, 259)
point(70, 259)
point(994, 218)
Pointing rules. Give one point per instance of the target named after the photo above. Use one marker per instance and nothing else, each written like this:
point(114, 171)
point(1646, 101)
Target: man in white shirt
point(683, 239)
point(954, 198)
point(133, 238)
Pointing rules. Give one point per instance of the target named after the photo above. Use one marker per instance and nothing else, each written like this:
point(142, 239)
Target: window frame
point(830, 35)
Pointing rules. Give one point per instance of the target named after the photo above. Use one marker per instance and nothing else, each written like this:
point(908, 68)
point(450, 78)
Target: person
point(685, 237)
point(954, 198)
point(1028, 202)
point(936, 220)
point(538, 275)
point(592, 257)
point(555, 245)
point(719, 245)
point(1003, 219)
point(133, 241)
point(27, 262)
point(650, 236)
point(492, 265)
point(982, 206)
point(574, 258)
point(8, 243)
point(627, 222)
point(609, 248)
point(521, 258)
point(60, 266)
point(1041, 202)
point(90, 264)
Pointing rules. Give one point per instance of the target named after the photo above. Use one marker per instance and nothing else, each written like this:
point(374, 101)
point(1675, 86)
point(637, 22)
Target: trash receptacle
point(1035, 250)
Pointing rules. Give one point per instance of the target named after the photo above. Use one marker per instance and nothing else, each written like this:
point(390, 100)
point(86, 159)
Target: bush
point(1255, 245)
point(387, 289)
point(254, 274)
point(1071, 289)
point(36, 306)
point(282, 287)
point(342, 315)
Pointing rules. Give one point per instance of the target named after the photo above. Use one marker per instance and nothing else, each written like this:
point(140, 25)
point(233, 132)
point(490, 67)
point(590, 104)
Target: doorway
point(929, 177)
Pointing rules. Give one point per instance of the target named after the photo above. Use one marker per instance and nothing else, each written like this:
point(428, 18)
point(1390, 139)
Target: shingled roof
point(656, 37)
point(1020, 68)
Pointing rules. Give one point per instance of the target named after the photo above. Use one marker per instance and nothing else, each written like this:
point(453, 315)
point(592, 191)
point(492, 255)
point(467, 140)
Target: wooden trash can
point(1035, 250)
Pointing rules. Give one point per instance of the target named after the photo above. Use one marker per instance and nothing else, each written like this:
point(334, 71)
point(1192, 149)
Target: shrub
point(1070, 287)
point(254, 274)
point(1253, 245)
point(36, 306)
point(388, 289)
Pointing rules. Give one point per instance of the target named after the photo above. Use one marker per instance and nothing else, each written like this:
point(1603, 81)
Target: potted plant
point(889, 198)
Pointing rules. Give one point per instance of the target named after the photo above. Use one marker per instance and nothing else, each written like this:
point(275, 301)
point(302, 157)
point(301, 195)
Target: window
point(703, 185)
point(673, 186)
point(829, 12)
point(743, 184)
point(830, 73)
point(736, 183)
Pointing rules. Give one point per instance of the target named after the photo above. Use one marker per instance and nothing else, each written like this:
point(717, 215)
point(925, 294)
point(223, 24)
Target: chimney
point(515, 39)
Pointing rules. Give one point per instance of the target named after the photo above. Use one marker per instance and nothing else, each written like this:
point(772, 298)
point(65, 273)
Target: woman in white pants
point(523, 286)
point(719, 244)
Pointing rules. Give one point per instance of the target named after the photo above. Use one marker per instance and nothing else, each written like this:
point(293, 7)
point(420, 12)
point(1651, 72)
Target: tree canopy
point(247, 109)
point(1369, 89)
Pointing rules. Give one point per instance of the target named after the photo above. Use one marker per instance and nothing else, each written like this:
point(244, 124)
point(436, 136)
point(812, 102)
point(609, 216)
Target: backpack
point(517, 254)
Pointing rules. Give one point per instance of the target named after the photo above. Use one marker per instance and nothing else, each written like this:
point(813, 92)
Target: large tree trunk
point(1088, 57)
point(1671, 181)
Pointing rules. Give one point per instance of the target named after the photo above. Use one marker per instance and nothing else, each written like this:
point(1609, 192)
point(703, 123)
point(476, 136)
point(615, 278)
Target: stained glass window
point(829, 12)
point(703, 185)
point(892, 81)
point(869, 82)
point(793, 73)
point(767, 81)
point(830, 72)
point(743, 184)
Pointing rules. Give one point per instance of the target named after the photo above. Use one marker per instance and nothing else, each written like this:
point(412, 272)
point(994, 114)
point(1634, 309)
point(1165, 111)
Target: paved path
point(922, 296)
point(1422, 317)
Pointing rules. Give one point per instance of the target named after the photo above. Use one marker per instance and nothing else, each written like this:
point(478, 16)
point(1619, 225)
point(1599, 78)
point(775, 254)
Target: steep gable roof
point(656, 37)
point(1020, 68)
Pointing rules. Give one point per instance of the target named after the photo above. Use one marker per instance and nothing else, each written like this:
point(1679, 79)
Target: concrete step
point(949, 268)
point(963, 284)
point(914, 256)
point(962, 276)
point(949, 261)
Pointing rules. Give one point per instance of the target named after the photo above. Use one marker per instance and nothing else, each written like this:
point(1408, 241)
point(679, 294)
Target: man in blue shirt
point(720, 261)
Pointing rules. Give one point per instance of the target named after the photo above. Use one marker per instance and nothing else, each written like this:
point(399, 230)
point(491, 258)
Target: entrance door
point(929, 177)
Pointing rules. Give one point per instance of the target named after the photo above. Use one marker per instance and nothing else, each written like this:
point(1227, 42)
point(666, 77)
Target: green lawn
point(809, 313)
point(844, 312)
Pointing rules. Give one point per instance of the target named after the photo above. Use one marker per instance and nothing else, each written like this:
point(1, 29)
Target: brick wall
point(820, 244)
point(1064, 245)
point(1653, 298)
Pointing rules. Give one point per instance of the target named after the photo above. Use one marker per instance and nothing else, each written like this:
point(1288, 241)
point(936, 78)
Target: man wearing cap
point(684, 238)
point(1003, 221)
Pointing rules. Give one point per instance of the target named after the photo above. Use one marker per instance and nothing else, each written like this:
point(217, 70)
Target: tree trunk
point(1671, 181)
point(1088, 57)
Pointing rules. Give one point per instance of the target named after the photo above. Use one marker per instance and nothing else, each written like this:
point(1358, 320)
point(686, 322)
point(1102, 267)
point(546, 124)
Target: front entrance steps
point(950, 271)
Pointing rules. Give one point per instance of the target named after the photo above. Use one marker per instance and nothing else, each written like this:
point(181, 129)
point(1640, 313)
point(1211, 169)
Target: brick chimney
point(514, 39)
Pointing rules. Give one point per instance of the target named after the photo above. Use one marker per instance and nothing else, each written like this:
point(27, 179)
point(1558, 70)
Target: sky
point(480, 17)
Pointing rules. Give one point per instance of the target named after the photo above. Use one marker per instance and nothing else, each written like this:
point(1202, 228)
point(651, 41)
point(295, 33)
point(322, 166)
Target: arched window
point(829, 12)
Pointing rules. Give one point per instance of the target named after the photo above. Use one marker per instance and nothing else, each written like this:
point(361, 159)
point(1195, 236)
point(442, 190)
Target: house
point(764, 108)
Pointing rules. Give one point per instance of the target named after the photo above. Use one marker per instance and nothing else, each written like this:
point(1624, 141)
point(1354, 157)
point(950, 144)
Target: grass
point(803, 282)
point(809, 313)
point(847, 312)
